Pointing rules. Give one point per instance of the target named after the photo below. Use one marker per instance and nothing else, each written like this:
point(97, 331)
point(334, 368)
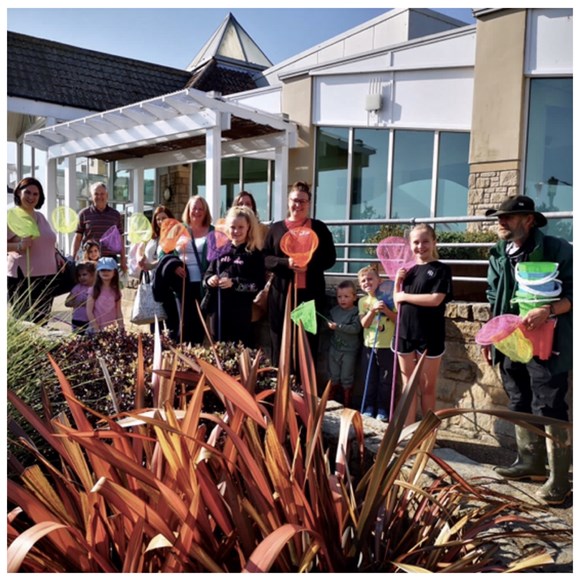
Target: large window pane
point(332, 182)
point(412, 174)
point(548, 173)
point(331, 173)
point(453, 177)
point(255, 179)
point(370, 156)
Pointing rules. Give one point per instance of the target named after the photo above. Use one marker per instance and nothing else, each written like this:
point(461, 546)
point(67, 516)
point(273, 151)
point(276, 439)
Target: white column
point(70, 198)
point(137, 187)
point(280, 192)
point(50, 188)
point(213, 169)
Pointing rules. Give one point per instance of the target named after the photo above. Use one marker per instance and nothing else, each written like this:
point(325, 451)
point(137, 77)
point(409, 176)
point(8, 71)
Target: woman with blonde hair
point(237, 276)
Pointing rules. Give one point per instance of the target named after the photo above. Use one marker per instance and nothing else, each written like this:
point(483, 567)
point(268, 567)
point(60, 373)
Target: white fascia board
point(42, 109)
point(382, 59)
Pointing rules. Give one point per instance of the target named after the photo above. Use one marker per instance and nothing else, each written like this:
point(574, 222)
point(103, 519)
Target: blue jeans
point(378, 377)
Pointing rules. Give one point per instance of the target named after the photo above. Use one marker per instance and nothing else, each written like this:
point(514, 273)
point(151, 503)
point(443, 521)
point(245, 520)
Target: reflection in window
point(256, 181)
point(453, 177)
point(331, 173)
point(412, 174)
point(548, 171)
point(370, 156)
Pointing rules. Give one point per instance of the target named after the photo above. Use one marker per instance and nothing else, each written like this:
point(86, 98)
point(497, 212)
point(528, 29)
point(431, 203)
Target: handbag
point(145, 307)
point(260, 304)
point(65, 278)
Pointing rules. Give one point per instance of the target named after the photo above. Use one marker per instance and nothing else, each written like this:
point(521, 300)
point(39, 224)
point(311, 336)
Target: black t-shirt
point(423, 322)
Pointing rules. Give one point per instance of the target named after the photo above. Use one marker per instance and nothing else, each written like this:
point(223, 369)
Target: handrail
point(411, 222)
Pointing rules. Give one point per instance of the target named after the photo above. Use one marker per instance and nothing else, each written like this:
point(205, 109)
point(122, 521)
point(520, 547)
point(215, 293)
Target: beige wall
point(498, 104)
point(297, 103)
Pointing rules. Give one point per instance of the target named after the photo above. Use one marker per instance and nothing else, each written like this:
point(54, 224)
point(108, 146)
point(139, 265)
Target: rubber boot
point(557, 488)
point(347, 393)
point(531, 459)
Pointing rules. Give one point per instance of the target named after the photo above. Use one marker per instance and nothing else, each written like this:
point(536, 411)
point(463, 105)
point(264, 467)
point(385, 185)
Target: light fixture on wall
point(167, 193)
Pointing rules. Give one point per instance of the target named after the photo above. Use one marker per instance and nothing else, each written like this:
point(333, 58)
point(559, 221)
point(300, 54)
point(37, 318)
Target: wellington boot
point(557, 488)
point(531, 460)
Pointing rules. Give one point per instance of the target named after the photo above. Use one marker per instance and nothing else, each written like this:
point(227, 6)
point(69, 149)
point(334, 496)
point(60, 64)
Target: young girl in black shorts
point(421, 293)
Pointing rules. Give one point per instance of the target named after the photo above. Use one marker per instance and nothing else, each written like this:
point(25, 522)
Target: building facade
point(410, 116)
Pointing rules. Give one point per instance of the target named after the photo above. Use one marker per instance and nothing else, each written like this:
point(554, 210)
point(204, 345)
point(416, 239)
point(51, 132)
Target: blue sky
point(173, 36)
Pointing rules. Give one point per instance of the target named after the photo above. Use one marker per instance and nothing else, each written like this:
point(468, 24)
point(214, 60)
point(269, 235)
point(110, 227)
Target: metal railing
point(410, 222)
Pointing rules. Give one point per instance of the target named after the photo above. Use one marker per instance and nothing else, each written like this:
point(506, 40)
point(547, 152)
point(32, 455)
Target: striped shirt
point(94, 223)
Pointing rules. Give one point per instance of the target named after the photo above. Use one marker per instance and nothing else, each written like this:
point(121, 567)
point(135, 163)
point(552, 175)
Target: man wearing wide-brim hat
point(539, 386)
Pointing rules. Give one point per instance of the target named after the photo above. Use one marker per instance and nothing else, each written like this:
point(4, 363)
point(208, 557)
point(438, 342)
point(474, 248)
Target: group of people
point(227, 285)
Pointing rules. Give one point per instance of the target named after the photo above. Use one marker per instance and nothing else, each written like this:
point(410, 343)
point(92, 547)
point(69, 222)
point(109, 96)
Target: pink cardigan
point(42, 251)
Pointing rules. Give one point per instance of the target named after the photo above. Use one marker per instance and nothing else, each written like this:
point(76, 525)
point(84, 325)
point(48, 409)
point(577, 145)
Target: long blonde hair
point(253, 237)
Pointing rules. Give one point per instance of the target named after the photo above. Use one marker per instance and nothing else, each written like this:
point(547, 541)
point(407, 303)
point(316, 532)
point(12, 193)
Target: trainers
point(367, 414)
point(382, 417)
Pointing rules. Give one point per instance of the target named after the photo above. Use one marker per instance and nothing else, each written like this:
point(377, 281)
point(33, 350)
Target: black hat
point(518, 204)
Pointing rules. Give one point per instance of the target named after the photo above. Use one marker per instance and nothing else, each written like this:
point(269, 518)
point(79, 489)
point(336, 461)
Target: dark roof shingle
point(52, 72)
point(58, 73)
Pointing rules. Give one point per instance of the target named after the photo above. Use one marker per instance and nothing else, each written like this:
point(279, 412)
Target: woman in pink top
point(104, 301)
point(41, 264)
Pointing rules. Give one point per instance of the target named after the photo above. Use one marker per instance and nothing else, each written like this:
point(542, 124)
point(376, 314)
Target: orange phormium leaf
point(135, 557)
point(43, 428)
point(233, 391)
point(348, 418)
point(133, 507)
point(20, 547)
point(140, 376)
point(267, 552)
point(282, 397)
point(249, 459)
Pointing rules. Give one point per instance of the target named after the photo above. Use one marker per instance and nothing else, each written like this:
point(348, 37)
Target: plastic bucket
point(537, 270)
point(542, 338)
point(526, 304)
point(548, 289)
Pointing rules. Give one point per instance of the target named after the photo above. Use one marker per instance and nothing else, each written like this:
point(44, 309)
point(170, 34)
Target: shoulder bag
point(145, 307)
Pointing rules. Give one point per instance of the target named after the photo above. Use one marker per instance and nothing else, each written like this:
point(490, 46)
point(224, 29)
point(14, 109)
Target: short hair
point(155, 228)
point(347, 284)
point(23, 184)
point(191, 202)
point(301, 186)
point(366, 270)
point(97, 184)
point(238, 199)
point(253, 238)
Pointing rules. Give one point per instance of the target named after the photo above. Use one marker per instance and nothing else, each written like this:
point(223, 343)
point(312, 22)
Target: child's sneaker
point(382, 417)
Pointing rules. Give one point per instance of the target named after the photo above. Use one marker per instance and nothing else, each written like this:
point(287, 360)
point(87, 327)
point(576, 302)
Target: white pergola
point(177, 128)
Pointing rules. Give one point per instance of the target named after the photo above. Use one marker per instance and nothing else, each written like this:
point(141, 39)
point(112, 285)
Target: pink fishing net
point(299, 244)
point(395, 253)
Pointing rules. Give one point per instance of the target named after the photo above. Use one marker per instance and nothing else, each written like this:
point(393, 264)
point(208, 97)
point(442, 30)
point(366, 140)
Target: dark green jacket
point(501, 289)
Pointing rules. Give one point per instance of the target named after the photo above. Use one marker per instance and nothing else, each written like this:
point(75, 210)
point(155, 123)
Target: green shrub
point(457, 253)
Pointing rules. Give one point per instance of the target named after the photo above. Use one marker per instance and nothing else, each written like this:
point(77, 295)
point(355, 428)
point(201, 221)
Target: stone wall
point(487, 189)
point(466, 380)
